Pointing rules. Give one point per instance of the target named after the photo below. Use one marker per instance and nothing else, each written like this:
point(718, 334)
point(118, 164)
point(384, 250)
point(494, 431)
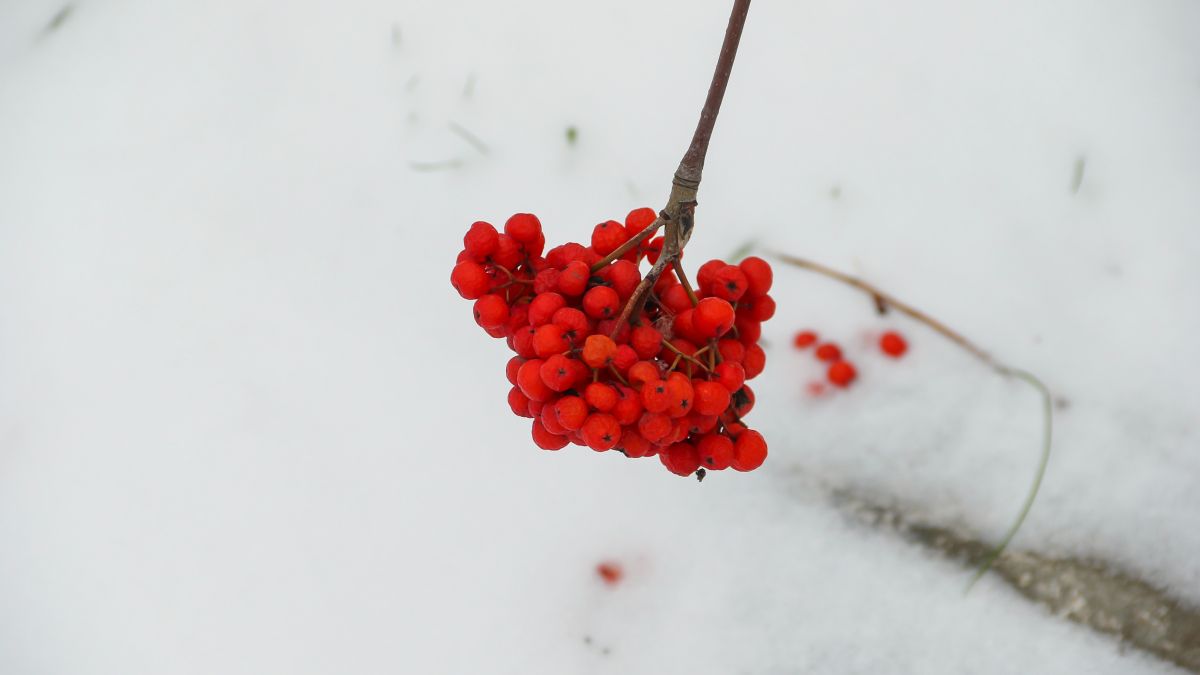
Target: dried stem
point(884, 300)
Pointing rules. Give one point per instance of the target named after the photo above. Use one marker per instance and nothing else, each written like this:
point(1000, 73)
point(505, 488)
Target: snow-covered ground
point(246, 426)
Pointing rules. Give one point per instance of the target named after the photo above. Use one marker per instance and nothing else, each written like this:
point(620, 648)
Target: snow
point(246, 426)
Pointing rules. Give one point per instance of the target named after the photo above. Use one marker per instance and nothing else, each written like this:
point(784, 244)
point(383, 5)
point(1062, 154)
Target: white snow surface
point(246, 425)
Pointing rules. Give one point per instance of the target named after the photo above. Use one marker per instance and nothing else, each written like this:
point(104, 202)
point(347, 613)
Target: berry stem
point(692, 164)
point(683, 356)
point(678, 215)
point(616, 373)
point(687, 285)
point(512, 278)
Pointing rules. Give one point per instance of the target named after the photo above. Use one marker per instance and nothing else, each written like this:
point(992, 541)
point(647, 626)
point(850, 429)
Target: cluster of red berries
point(668, 382)
point(841, 372)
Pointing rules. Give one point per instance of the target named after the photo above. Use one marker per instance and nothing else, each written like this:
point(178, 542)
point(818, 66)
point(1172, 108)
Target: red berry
point(755, 361)
point(529, 379)
point(470, 279)
point(676, 299)
point(550, 339)
point(642, 372)
point(561, 373)
point(546, 281)
point(491, 311)
point(680, 394)
point(759, 308)
point(559, 256)
point(522, 342)
point(639, 219)
point(893, 344)
point(624, 277)
point(701, 424)
point(549, 419)
point(685, 324)
point(731, 350)
point(749, 451)
point(481, 240)
point(523, 227)
point(609, 572)
point(654, 426)
point(704, 275)
point(712, 398)
point(804, 339)
point(508, 252)
point(543, 307)
point(829, 352)
point(730, 375)
point(571, 411)
point(646, 341)
point(841, 373)
point(729, 283)
point(574, 323)
point(629, 406)
point(601, 396)
point(510, 370)
point(654, 395)
point(623, 358)
point(601, 431)
point(602, 302)
point(713, 318)
point(546, 440)
point(716, 451)
point(681, 431)
point(681, 459)
point(518, 402)
point(608, 236)
point(758, 276)
point(633, 445)
point(749, 331)
point(574, 278)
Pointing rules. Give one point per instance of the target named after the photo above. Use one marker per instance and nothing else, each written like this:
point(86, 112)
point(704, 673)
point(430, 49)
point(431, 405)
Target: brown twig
point(678, 215)
point(692, 164)
point(885, 300)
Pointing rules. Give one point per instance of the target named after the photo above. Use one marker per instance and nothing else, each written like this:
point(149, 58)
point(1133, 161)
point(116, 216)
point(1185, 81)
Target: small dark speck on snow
point(59, 19)
point(1077, 174)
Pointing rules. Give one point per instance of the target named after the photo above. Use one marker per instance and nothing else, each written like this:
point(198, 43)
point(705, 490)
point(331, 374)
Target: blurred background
point(246, 425)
